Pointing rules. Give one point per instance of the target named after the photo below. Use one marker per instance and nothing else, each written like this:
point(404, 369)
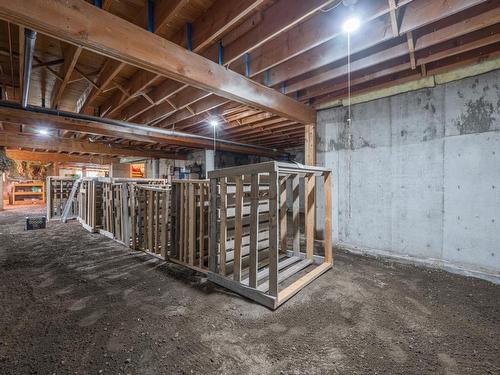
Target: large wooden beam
point(217, 20)
point(80, 23)
point(136, 133)
point(34, 141)
point(54, 157)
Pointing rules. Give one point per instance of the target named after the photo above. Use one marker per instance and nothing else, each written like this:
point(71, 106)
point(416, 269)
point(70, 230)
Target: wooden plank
point(411, 49)
point(202, 226)
point(309, 215)
point(80, 23)
point(328, 217)
point(283, 215)
point(222, 225)
point(56, 157)
point(289, 272)
point(133, 217)
point(164, 224)
point(71, 145)
point(192, 223)
point(71, 54)
point(157, 211)
point(251, 293)
point(296, 214)
point(294, 288)
point(254, 231)
point(213, 256)
point(262, 274)
point(143, 134)
point(149, 220)
point(237, 225)
point(273, 234)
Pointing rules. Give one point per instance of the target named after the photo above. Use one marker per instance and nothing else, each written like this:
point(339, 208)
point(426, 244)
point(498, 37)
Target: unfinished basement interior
point(249, 187)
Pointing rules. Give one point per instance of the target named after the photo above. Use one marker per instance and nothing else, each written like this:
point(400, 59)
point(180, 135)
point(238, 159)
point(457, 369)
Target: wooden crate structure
point(116, 192)
point(150, 218)
point(255, 242)
point(57, 191)
point(189, 223)
point(89, 199)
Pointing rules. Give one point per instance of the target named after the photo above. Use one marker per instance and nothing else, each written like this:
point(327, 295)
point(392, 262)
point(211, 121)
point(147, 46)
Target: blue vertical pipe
point(151, 16)
point(246, 59)
point(283, 87)
point(98, 3)
point(221, 53)
point(266, 77)
point(189, 36)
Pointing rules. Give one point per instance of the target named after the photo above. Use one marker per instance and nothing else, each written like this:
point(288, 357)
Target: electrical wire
point(332, 7)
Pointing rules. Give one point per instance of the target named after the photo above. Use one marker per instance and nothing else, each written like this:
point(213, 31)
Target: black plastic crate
point(35, 223)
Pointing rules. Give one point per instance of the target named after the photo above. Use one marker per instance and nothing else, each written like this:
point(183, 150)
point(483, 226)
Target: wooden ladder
point(69, 202)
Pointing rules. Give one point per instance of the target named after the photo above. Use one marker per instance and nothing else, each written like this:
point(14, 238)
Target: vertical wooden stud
point(254, 230)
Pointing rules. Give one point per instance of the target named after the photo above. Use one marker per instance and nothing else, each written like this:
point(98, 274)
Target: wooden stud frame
point(252, 252)
point(189, 223)
point(57, 191)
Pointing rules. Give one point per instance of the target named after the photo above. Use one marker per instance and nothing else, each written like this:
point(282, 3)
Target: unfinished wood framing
point(57, 191)
point(90, 203)
point(189, 223)
point(255, 239)
point(149, 208)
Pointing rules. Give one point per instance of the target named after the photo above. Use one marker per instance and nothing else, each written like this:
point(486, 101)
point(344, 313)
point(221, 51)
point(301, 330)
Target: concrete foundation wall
point(417, 175)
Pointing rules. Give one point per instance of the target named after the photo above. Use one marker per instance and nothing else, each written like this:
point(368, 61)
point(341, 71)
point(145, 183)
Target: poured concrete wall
point(418, 174)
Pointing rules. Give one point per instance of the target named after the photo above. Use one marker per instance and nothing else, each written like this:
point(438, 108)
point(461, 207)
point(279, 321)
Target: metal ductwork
point(29, 48)
point(140, 128)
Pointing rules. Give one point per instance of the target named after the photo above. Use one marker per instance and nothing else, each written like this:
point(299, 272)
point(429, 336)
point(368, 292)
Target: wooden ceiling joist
point(25, 140)
point(379, 30)
point(54, 157)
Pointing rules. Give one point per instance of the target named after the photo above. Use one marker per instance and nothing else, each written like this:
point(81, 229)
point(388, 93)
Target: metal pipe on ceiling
point(29, 48)
point(129, 125)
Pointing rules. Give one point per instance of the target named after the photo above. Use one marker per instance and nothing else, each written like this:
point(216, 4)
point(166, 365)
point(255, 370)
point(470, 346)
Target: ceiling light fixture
point(213, 123)
point(43, 131)
point(351, 25)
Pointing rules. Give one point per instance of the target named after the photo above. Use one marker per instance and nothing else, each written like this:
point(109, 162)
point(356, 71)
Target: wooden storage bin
point(255, 248)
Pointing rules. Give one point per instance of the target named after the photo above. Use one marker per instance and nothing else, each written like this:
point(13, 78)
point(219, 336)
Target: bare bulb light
point(213, 123)
point(351, 25)
point(43, 131)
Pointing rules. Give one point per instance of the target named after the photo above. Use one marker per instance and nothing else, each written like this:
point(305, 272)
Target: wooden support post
point(254, 230)
point(191, 226)
point(273, 233)
point(133, 221)
point(328, 216)
point(282, 215)
point(309, 207)
point(223, 225)
point(296, 215)
point(238, 228)
point(201, 262)
point(212, 256)
point(309, 159)
point(164, 225)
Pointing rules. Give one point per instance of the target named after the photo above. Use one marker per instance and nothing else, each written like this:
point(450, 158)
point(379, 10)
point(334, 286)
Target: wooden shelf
point(21, 190)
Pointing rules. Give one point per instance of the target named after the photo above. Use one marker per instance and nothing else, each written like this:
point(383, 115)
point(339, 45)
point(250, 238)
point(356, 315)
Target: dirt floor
point(79, 303)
